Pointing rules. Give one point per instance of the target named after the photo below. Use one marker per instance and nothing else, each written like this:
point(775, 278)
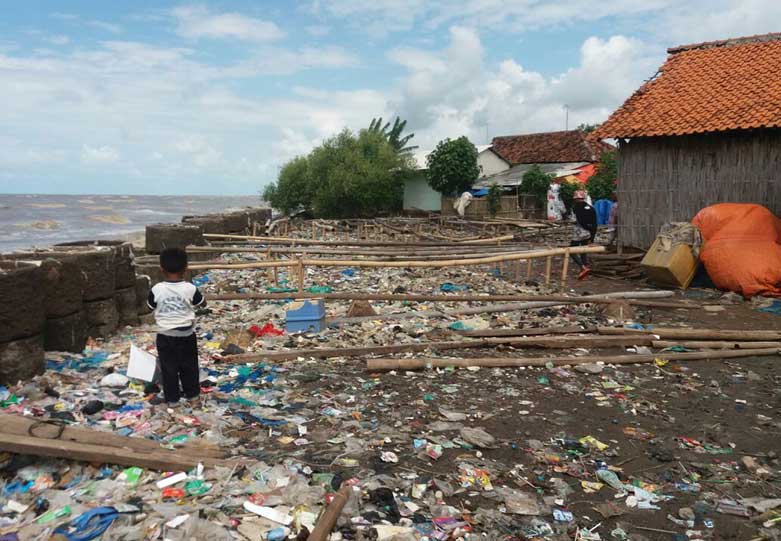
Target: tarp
point(603, 206)
point(742, 248)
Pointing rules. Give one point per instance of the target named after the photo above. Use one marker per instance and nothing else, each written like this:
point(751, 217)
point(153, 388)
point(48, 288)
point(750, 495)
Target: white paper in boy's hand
point(142, 365)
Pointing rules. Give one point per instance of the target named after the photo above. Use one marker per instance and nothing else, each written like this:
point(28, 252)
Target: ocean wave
point(41, 225)
point(48, 205)
point(116, 219)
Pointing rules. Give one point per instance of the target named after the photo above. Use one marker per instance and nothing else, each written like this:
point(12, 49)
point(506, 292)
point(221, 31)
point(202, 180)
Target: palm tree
point(393, 134)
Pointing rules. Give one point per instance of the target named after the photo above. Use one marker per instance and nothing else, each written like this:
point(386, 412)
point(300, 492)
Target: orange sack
point(742, 248)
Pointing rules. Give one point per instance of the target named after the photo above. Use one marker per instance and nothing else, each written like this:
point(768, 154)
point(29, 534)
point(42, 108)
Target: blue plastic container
point(305, 316)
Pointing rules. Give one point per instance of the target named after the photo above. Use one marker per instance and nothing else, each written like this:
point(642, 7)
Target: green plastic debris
point(131, 476)
point(324, 479)
point(181, 438)
point(50, 515)
point(197, 487)
point(281, 289)
point(11, 401)
point(320, 289)
point(543, 380)
point(243, 401)
point(459, 326)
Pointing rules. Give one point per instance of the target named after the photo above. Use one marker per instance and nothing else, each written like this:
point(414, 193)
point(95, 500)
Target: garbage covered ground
point(657, 451)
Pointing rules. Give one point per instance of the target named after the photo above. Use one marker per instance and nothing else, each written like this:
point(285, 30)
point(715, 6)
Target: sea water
point(42, 220)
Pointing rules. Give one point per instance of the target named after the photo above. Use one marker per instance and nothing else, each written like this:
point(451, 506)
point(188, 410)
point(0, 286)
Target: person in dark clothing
point(174, 301)
point(584, 230)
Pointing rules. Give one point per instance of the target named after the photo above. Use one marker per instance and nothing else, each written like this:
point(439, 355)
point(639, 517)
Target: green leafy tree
point(536, 182)
point(358, 176)
point(393, 134)
point(452, 166)
point(347, 176)
point(602, 185)
point(567, 192)
point(494, 198)
point(292, 190)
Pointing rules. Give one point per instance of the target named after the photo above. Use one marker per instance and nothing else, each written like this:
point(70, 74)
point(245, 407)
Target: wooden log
point(26, 426)
point(327, 520)
point(418, 363)
point(714, 344)
point(404, 264)
point(529, 263)
point(558, 342)
point(572, 329)
point(698, 334)
point(161, 460)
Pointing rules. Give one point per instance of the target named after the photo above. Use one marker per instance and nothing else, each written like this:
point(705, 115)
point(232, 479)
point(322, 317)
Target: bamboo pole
point(544, 304)
point(563, 299)
point(698, 334)
point(327, 520)
point(418, 363)
point(549, 253)
point(529, 268)
point(300, 267)
point(548, 261)
point(714, 344)
point(571, 329)
point(348, 242)
point(565, 267)
point(557, 342)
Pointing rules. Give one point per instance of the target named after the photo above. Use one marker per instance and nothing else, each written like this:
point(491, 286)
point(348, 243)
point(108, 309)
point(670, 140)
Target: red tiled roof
point(706, 87)
point(549, 147)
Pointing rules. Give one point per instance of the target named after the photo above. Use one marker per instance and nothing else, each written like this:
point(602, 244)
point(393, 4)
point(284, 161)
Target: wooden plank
point(160, 460)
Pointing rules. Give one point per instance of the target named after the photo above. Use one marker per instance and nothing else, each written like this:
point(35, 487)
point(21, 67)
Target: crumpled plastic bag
point(115, 379)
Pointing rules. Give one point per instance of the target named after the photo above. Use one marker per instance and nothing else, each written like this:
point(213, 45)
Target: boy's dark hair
point(173, 260)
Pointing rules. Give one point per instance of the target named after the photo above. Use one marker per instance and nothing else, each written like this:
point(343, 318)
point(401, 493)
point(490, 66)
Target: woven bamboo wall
point(664, 179)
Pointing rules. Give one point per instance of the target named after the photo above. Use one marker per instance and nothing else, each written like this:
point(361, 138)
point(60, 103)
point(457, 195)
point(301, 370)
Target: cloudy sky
point(133, 96)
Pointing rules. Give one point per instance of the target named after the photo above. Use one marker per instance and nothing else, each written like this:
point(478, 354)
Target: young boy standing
point(174, 301)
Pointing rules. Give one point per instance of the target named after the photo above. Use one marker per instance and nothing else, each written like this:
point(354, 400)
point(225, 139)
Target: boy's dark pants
point(178, 362)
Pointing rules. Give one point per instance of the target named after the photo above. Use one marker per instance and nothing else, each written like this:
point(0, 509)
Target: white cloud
point(200, 22)
point(164, 118)
point(384, 16)
point(103, 25)
point(481, 100)
point(96, 155)
point(94, 23)
point(693, 22)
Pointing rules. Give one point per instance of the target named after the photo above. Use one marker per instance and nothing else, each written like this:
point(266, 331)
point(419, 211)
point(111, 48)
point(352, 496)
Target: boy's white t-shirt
point(174, 305)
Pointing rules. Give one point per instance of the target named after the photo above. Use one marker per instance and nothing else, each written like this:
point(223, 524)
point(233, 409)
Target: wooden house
point(705, 129)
